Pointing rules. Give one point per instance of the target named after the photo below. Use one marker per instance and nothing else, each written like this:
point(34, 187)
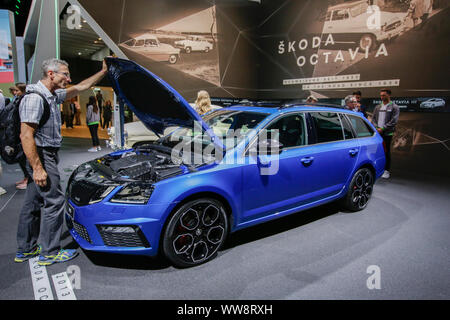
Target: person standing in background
point(100, 100)
point(68, 116)
point(22, 184)
point(351, 103)
point(385, 118)
point(311, 99)
point(2, 190)
point(107, 115)
point(362, 109)
point(203, 102)
point(77, 111)
point(92, 120)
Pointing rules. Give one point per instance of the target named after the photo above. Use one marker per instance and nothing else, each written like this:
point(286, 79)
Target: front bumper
point(87, 225)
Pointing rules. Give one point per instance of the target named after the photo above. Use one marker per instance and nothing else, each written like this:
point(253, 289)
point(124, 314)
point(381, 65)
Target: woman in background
point(203, 102)
point(92, 120)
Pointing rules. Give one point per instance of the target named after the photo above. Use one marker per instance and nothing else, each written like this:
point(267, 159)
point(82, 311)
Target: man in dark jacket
point(385, 118)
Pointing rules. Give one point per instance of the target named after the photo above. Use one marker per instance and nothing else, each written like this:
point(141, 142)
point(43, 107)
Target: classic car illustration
point(194, 43)
point(149, 45)
point(254, 164)
point(433, 103)
point(348, 22)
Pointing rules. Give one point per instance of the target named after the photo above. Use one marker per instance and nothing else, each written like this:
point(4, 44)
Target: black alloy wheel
point(360, 190)
point(195, 232)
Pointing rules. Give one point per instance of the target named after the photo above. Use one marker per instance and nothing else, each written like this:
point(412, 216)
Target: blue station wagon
point(279, 160)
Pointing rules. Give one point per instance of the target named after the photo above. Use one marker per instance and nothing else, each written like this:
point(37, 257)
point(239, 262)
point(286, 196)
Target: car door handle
point(307, 160)
point(353, 152)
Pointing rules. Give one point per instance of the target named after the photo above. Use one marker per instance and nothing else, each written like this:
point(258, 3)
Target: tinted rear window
point(348, 134)
point(328, 126)
point(361, 128)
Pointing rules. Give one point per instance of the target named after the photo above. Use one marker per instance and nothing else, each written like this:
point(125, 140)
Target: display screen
point(6, 60)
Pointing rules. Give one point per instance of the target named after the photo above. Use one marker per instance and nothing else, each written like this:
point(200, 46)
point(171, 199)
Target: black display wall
point(285, 48)
point(289, 49)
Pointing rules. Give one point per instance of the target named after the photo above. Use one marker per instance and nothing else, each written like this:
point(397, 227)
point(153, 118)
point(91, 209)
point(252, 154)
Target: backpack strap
point(46, 114)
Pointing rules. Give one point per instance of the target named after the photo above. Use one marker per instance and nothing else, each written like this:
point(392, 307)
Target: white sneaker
point(386, 174)
point(93, 149)
point(2, 191)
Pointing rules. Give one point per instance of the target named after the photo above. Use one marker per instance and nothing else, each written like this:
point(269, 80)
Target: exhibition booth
point(264, 59)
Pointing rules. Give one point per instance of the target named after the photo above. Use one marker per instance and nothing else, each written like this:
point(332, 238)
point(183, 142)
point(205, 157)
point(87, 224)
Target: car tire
point(206, 49)
point(173, 58)
point(195, 232)
point(368, 40)
point(359, 191)
point(188, 50)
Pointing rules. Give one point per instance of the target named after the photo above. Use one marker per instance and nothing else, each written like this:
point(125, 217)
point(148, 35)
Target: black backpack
point(11, 147)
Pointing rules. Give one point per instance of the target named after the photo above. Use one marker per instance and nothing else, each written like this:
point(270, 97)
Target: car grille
point(82, 231)
point(123, 239)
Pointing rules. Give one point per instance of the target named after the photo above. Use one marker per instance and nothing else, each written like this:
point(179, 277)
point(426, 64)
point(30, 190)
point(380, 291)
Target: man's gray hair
point(52, 65)
point(349, 98)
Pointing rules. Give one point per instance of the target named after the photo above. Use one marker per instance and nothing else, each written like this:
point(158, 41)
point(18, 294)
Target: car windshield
point(231, 126)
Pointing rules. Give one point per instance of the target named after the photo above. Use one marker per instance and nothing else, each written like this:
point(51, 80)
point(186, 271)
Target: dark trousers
point(93, 128)
point(69, 121)
point(42, 203)
point(388, 140)
point(106, 122)
point(23, 166)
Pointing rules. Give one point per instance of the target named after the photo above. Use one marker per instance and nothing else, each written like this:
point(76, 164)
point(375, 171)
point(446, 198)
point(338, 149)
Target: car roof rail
point(300, 104)
point(285, 105)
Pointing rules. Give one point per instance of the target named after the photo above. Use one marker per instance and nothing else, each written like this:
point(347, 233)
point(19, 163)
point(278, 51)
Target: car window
point(348, 133)
point(358, 9)
point(340, 15)
point(139, 43)
point(361, 128)
point(130, 42)
point(289, 130)
point(328, 126)
point(151, 43)
point(231, 126)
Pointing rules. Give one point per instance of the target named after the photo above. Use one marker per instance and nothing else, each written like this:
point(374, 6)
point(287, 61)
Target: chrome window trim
point(273, 121)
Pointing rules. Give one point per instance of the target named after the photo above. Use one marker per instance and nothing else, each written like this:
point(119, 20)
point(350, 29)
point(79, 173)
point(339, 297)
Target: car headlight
point(101, 194)
point(134, 193)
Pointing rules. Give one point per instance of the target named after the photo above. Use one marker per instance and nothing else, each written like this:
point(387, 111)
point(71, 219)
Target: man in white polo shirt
point(385, 118)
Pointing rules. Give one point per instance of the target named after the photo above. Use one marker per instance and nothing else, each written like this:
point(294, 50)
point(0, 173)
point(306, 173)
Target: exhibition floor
point(321, 253)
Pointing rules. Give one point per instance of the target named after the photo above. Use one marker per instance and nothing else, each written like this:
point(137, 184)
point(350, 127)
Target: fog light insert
point(122, 236)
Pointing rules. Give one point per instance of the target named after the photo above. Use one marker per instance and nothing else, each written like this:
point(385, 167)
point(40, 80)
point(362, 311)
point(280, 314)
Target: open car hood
point(152, 99)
